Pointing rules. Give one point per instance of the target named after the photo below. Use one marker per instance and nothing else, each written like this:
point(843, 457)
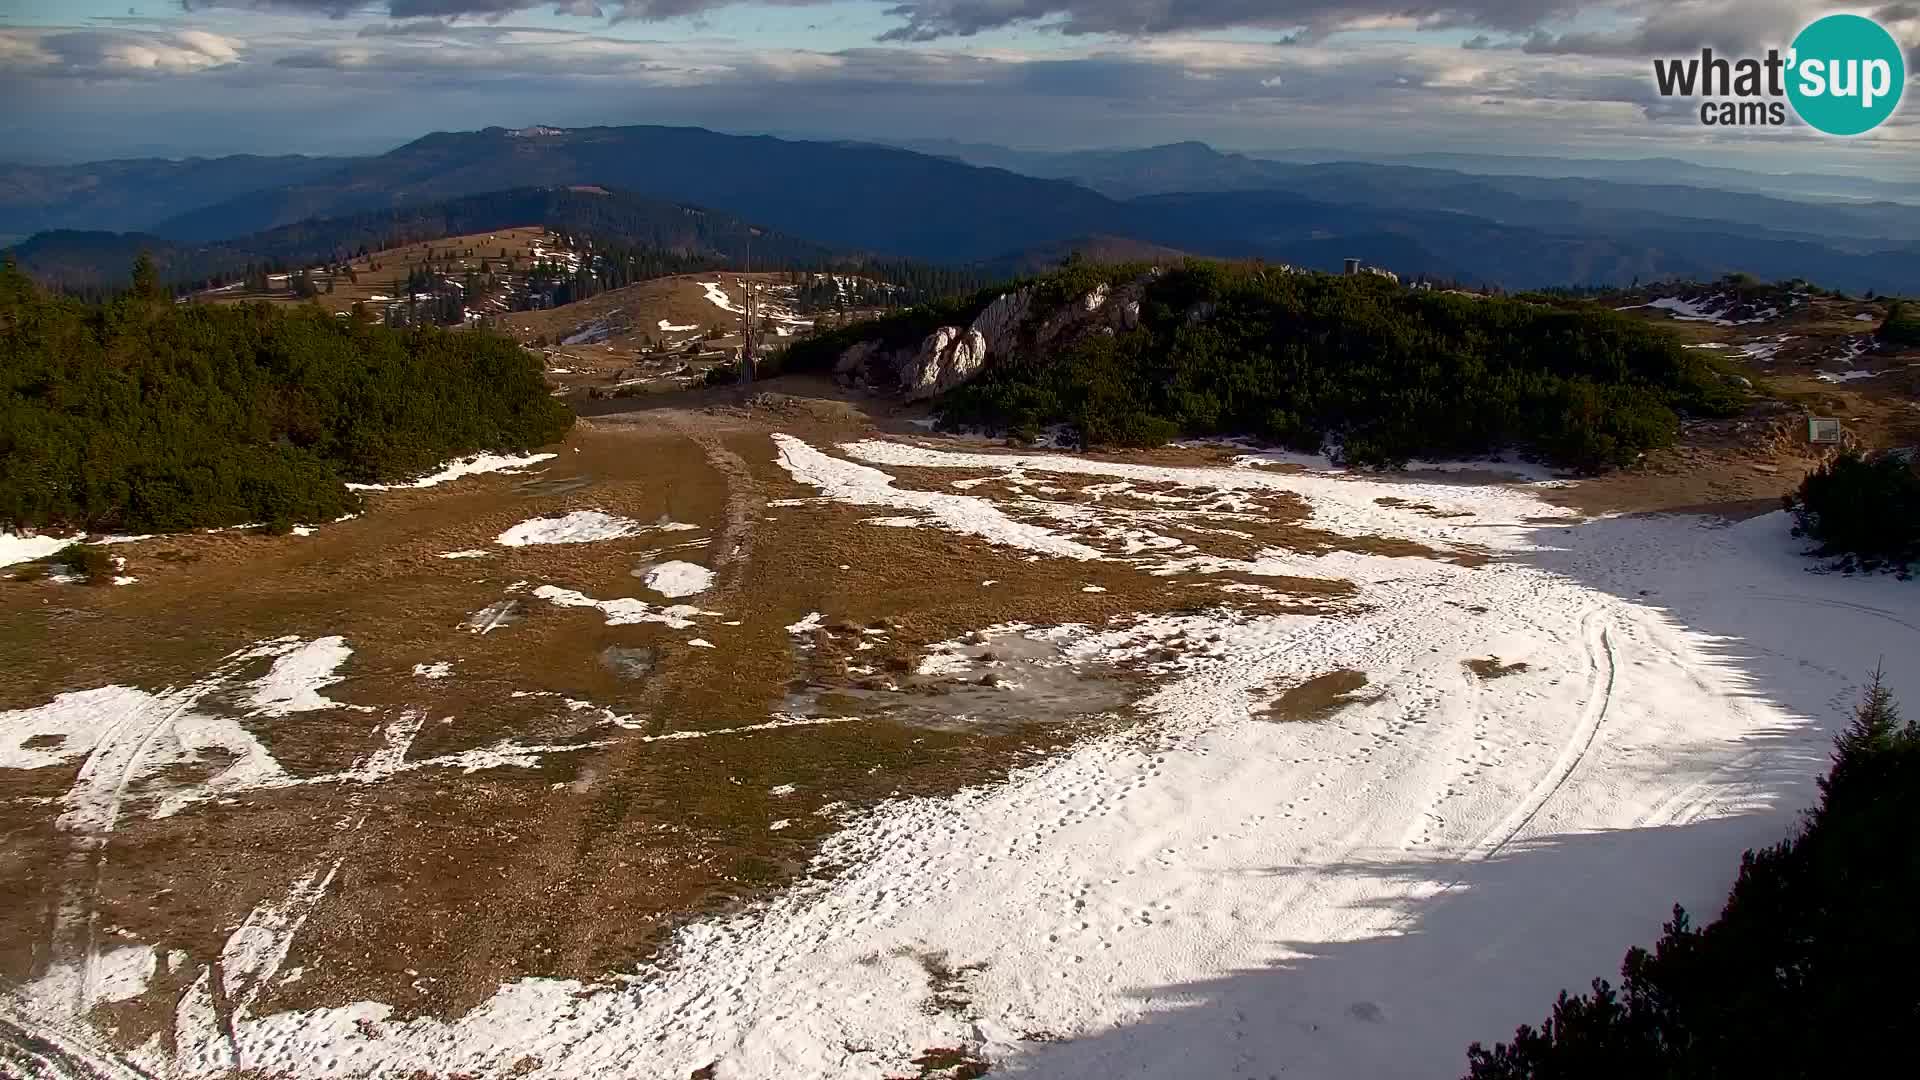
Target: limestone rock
point(855, 359)
point(1000, 323)
point(948, 357)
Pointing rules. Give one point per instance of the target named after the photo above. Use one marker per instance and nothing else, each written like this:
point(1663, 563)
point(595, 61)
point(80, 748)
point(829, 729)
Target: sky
point(89, 79)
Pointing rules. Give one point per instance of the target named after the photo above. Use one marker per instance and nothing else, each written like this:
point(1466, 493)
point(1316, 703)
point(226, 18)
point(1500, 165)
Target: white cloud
point(116, 52)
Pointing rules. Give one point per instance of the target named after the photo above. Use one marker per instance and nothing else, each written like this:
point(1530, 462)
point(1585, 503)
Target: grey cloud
point(334, 9)
point(1686, 26)
point(310, 60)
point(433, 9)
point(405, 29)
point(120, 53)
point(926, 20)
point(408, 9)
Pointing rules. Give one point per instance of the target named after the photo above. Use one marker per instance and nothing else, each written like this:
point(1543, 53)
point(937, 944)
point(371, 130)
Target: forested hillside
point(1359, 366)
point(140, 414)
point(634, 238)
point(136, 193)
point(674, 238)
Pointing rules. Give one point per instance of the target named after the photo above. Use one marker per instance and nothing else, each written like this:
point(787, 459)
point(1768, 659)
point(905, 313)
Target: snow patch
point(19, 548)
point(624, 611)
point(579, 527)
point(848, 482)
point(122, 974)
point(300, 669)
point(678, 579)
point(472, 466)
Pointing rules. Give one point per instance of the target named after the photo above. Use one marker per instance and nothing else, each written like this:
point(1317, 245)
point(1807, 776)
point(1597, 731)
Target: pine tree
point(146, 279)
point(1875, 728)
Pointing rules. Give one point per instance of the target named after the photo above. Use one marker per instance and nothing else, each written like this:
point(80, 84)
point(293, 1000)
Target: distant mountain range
point(93, 259)
point(966, 204)
point(1656, 171)
point(1512, 199)
point(140, 193)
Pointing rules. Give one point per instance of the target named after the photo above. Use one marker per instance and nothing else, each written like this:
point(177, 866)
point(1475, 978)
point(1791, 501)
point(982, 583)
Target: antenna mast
point(746, 352)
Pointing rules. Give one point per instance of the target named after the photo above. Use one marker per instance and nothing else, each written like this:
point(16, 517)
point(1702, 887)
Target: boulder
point(854, 360)
point(948, 357)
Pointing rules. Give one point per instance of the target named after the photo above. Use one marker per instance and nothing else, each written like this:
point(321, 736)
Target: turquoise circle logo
point(1847, 74)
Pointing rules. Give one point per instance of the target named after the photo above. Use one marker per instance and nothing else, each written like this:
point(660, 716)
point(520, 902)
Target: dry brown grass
point(582, 864)
point(1491, 668)
point(1317, 699)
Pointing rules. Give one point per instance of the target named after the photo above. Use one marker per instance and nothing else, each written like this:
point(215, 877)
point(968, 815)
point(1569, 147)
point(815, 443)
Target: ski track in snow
point(1212, 893)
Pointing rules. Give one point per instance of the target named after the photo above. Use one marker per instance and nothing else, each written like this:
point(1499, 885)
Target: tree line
point(141, 414)
point(1357, 366)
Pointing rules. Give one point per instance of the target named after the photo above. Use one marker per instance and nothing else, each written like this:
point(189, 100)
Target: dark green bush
point(1902, 325)
point(145, 415)
point(1866, 512)
point(1809, 971)
point(91, 564)
point(1379, 373)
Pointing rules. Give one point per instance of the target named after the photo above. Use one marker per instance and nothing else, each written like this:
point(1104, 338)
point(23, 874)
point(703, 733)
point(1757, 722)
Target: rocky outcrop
point(999, 325)
point(949, 357)
point(1004, 329)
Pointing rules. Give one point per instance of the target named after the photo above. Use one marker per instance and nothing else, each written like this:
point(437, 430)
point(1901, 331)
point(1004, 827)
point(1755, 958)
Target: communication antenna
point(746, 351)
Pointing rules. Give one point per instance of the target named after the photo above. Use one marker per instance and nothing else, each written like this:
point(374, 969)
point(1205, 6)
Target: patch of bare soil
point(1491, 668)
point(1742, 466)
point(1317, 699)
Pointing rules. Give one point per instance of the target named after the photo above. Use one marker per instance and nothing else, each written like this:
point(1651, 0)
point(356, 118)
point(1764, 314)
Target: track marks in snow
point(1602, 670)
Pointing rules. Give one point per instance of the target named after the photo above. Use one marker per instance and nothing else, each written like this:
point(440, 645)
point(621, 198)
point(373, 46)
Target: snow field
point(1215, 892)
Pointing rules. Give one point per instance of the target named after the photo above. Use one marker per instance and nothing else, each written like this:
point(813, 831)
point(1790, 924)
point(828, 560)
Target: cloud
point(1120, 71)
point(413, 28)
point(930, 20)
point(114, 53)
point(926, 20)
point(1685, 26)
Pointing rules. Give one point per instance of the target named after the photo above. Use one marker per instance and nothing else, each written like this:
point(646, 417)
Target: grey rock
point(948, 357)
